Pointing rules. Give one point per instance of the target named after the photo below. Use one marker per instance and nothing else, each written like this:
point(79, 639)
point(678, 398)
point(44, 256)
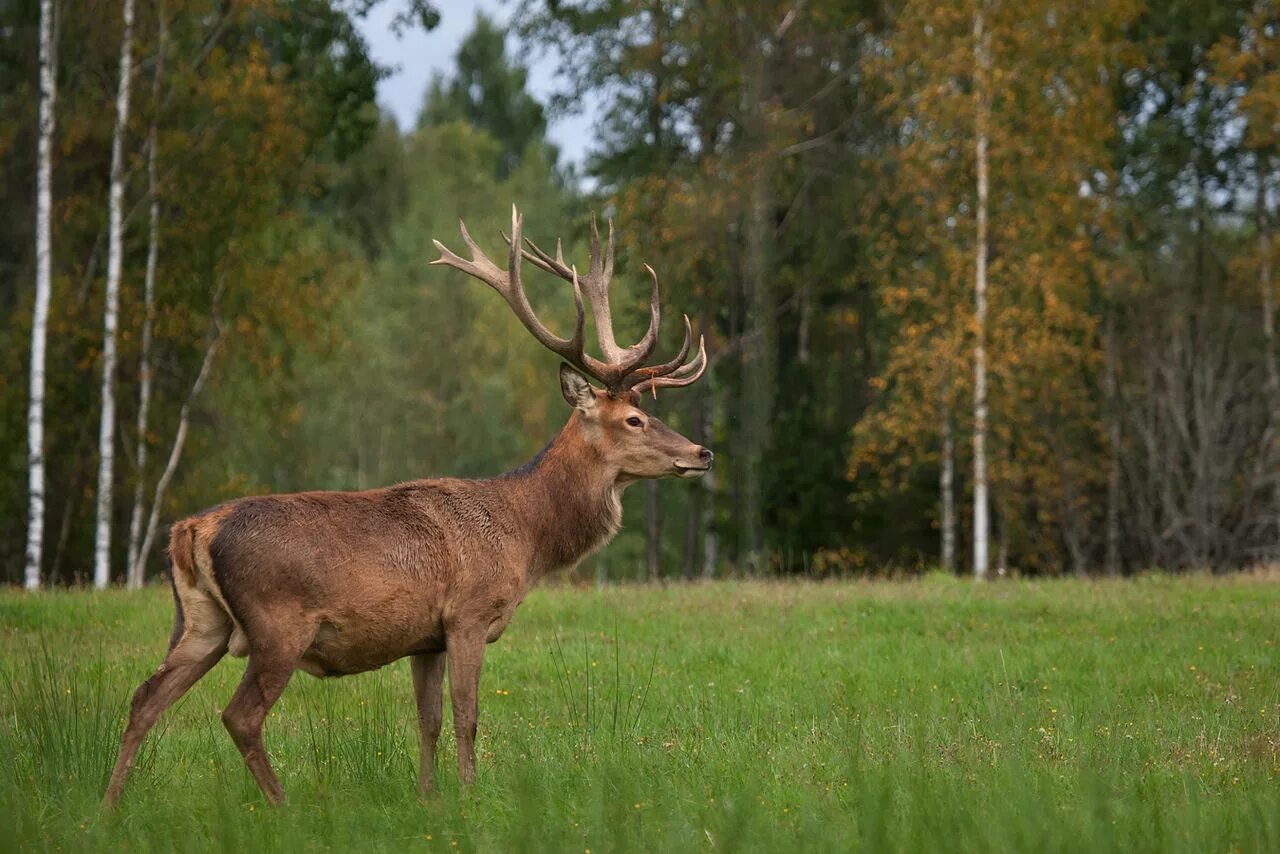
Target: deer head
point(628, 442)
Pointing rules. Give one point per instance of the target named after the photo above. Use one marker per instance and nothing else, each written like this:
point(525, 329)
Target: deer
point(339, 583)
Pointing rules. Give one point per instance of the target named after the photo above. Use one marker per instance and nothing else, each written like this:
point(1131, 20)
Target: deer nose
point(706, 456)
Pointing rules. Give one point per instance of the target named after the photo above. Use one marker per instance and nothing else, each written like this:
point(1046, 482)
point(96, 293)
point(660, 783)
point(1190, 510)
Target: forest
point(987, 287)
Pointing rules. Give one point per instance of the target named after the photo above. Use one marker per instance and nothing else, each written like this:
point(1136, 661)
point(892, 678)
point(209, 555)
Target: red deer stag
point(336, 583)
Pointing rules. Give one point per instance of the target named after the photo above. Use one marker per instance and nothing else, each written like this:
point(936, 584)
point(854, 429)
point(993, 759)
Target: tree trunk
point(40, 313)
point(805, 297)
point(1269, 337)
point(710, 538)
point(1002, 546)
point(1110, 391)
point(981, 521)
point(756, 398)
point(689, 557)
point(653, 532)
point(111, 311)
point(947, 487)
point(136, 571)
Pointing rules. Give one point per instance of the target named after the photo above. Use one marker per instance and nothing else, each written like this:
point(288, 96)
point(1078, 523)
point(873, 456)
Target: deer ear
point(577, 392)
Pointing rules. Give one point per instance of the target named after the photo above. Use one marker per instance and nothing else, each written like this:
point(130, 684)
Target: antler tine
point(666, 368)
point(479, 266)
point(601, 269)
point(683, 376)
point(643, 348)
point(540, 259)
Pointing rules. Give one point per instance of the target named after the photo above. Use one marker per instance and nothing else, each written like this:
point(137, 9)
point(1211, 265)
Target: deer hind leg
point(428, 690)
point(201, 630)
point(271, 663)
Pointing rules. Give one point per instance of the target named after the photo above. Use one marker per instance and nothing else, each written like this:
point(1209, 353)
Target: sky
point(417, 55)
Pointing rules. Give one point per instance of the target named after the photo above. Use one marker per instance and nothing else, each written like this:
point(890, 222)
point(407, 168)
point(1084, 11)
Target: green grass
point(933, 715)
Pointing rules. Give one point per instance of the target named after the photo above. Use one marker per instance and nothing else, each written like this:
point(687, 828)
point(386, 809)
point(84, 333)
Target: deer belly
point(335, 652)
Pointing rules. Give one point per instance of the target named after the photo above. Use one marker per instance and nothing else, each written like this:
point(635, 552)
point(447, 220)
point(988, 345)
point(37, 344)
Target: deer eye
point(635, 422)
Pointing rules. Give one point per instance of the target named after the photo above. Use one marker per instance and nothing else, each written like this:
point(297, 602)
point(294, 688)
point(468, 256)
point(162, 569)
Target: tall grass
point(1062, 716)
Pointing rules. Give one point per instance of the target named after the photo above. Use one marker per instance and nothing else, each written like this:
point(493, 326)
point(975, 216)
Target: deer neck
point(573, 500)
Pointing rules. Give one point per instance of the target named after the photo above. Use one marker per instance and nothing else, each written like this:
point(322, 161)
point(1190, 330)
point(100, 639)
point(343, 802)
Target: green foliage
point(1122, 716)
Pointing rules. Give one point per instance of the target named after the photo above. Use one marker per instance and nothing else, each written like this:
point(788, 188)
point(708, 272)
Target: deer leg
point(264, 681)
point(428, 684)
point(466, 654)
point(199, 647)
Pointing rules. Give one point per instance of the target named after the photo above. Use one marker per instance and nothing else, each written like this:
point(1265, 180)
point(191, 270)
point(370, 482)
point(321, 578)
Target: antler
point(620, 371)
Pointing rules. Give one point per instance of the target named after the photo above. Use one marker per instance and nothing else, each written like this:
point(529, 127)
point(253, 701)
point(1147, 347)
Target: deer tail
point(181, 569)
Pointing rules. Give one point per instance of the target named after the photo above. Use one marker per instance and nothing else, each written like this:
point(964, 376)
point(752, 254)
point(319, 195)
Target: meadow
point(732, 716)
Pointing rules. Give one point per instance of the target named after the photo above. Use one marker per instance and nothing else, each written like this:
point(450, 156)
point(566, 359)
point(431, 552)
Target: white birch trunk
point(981, 519)
point(44, 284)
point(947, 487)
point(136, 571)
point(111, 311)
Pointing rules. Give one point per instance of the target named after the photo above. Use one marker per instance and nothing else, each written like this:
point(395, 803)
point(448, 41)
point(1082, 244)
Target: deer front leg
point(428, 685)
point(466, 654)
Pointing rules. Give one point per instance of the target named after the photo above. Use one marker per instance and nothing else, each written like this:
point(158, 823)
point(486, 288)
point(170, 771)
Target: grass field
point(919, 716)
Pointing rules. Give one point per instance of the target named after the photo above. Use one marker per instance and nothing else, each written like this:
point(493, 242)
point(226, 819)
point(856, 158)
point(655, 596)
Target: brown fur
point(336, 583)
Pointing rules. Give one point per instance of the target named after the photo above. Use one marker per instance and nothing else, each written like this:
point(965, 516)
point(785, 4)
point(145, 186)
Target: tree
point(135, 565)
point(981, 140)
point(40, 320)
point(111, 313)
point(490, 92)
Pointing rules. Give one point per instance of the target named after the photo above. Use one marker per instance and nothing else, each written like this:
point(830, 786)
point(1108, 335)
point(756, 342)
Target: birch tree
point(40, 316)
point(111, 311)
point(1003, 116)
point(947, 485)
point(136, 567)
point(982, 120)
